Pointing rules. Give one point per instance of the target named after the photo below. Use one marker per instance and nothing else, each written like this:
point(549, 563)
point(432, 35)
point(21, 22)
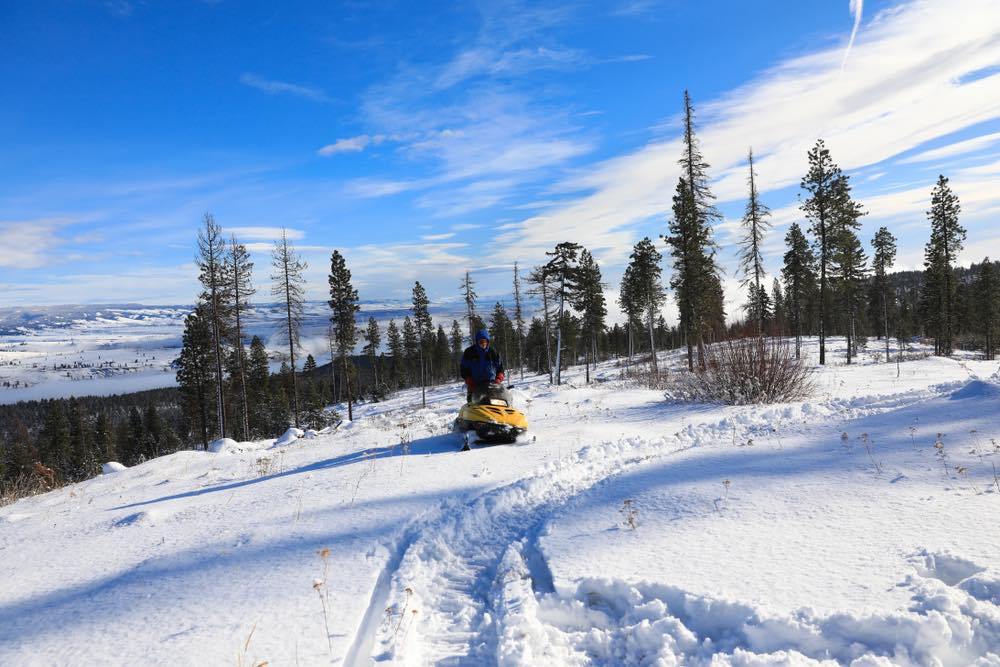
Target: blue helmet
point(482, 334)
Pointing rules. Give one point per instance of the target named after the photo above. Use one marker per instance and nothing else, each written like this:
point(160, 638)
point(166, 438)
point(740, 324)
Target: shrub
point(745, 371)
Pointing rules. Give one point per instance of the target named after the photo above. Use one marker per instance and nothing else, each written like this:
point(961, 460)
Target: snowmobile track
point(444, 592)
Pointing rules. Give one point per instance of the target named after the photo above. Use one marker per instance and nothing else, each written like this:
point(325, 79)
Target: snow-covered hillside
point(856, 527)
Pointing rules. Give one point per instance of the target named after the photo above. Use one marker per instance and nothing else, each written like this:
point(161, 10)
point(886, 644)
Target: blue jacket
point(481, 365)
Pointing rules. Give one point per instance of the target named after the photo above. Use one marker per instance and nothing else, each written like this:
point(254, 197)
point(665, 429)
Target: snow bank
point(111, 466)
point(223, 446)
point(289, 436)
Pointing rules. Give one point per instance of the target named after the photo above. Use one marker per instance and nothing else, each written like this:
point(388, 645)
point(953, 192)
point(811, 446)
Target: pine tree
point(258, 378)
point(847, 268)
point(455, 340)
point(425, 329)
point(563, 268)
point(755, 225)
point(469, 294)
point(373, 340)
point(104, 438)
point(503, 330)
point(195, 373)
point(778, 307)
point(442, 355)
point(288, 287)
point(642, 287)
point(344, 306)
point(394, 340)
point(799, 275)
point(542, 281)
point(136, 437)
point(309, 368)
point(519, 329)
point(947, 237)
point(217, 296)
point(988, 306)
point(884, 254)
point(588, 299)
point(822, 183)
point(411, 347)
point(81, 464)
point(241, 286)
point(152, 433)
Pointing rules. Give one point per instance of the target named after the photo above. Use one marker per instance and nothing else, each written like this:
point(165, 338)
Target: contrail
point(856, 8)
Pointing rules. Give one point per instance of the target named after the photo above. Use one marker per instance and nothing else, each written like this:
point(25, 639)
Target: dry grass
point(746, 371)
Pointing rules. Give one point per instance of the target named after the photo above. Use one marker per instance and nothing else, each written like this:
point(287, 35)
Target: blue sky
point(426, 139)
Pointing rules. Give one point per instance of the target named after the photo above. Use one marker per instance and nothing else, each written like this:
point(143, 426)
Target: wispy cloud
point(952, 150)
point(265, 233)
point(272, 87)
point(857, 7)
point(29, 244)
point(351, 144)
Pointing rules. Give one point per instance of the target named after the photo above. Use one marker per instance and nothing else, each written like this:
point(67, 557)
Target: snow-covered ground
point(855, 527)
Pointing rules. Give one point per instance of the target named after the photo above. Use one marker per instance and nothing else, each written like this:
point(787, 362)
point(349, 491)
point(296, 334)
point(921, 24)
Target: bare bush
point(746, 371)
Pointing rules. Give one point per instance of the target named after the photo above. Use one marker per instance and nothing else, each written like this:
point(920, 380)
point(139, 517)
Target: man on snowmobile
point(481, 365)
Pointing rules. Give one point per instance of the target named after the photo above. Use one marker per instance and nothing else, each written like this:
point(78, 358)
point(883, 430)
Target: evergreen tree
point(82, 464)
point(217, 297)
point(542, 280)
point(442, 355)
point(519, 329)
point(642, 291)
point(988, 306)
point(455, 340)
point(425, 330)
point(288, 286)
point(104, 438)
point(394, 340)
point(884, 254)
point(136, 436)
point(503, 330)
point(469, 294)
point(54, 442)
point(588, 299)
point(152, 433)
point(309, 368)
point(847, 268)
point(258, 378)
point(799, 275)
point(822, 183)
point(411, 348)
point(373, 340)
point(563, 268)
point(241, 285)
point(344, 304)
point(779, 309)
point(947, 237)
point(755, 225)
point(196, 376)
point(696, 276)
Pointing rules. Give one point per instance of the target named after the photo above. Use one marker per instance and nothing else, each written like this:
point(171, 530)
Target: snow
point(110, 467)
point(856, 527)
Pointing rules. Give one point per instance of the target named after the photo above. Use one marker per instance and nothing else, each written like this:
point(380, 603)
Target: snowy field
point(858, 527)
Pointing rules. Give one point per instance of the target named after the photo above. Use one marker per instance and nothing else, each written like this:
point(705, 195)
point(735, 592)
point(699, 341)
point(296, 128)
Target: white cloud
point(30, 244)
point(437, 237)
point(272, 87)
point(266, 233)
point(951, 150)
point(351, 144)
point(894, 95)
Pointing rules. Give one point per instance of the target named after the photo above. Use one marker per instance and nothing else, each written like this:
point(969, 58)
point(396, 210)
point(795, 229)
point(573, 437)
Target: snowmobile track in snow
point(454, 575)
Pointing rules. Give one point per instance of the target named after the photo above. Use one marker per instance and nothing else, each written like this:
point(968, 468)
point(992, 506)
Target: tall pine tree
point(217, 296)
point(288, 287)
point(883, 255)
point(344, 306)
point(799, 274)
point(947, 237)
point(755, 225)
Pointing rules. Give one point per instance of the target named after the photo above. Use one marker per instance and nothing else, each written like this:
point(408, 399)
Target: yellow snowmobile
point(492, 416)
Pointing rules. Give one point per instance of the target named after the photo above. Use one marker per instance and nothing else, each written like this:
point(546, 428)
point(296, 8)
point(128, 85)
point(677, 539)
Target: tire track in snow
point(446, 588)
